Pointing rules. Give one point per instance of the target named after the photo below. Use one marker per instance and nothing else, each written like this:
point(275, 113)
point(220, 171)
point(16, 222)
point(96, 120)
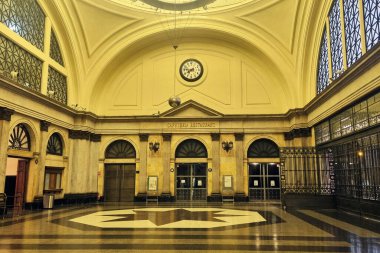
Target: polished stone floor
point(196, 227)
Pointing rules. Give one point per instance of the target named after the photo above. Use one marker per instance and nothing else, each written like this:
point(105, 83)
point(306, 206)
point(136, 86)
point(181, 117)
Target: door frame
point(118, 164)
point(191, 177)
point(19, 201)
point(265, 187)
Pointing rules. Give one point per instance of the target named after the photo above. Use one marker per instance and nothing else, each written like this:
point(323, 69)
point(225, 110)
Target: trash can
point(48, 201)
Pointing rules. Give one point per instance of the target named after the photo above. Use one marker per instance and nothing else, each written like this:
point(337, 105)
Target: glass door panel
point(264, 181)
point(191, 181)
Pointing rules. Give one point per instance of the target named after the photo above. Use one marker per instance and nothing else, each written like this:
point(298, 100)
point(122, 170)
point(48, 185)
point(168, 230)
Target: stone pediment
point(191, 109)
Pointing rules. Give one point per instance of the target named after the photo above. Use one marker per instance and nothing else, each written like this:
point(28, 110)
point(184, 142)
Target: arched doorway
point(16, 175)
point(119, 172)
point(264, 170)
point(191, 171)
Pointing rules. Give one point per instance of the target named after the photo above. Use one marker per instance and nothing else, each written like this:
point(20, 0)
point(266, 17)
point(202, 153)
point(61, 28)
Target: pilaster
point(165, 196)
point(141, 196)
point(215, 194)
point(239, 151)
point(5, 117)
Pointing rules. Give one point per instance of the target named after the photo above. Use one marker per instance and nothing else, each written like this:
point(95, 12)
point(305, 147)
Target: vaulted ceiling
point(280, 37)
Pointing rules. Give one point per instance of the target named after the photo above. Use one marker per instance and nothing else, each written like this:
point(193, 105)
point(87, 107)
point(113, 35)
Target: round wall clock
point(191, 70)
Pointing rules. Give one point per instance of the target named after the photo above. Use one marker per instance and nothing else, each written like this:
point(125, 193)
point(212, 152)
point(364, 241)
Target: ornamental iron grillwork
point(57, 86)
point(191, 149)
point(15, 59)
point(120, 149)
point(19, 138)
point(263, 148)
point(323, 65)
point(55, 51)
point(26, 18)
point(352, 25)
point(357, 167)
point(372, 22)
point(54, 146)
point(336, 40)
point(306, 171)
point(352, 31)
point(364, 114)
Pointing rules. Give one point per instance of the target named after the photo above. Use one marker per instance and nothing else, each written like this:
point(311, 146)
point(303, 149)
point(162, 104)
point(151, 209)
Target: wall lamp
point(154, 146)
point(227, 145)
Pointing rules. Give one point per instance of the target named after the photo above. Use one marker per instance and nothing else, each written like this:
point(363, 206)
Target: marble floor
point(188, 227)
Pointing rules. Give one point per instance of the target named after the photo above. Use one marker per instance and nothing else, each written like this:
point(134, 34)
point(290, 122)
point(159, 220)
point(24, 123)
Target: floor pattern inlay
point(184, 218)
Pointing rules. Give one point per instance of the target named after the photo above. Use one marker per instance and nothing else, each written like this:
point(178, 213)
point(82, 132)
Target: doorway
point(264, 181)
point(119, 182)
point(191, 181)
point(16, 181)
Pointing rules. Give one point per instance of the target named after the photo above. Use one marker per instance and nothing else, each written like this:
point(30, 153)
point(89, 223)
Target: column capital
point(239, 136)
point(95, 137)
point(5, 113)
point(167, 137)
point(215, 136)
point(79, 134)
point(144, 137)
point(44, 125)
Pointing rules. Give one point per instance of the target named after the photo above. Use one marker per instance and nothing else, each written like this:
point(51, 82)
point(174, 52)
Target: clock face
point(191, 70)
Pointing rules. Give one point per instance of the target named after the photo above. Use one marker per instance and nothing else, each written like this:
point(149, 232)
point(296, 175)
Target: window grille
point(55, 51)
point(19, 138)
point(26, 18)
point(57, 86)
point(191, 149)
point(54, 146)
point(120, 149)
point(323, 65)
point(352, 31)
point(336, 39)
point(15, 59)
point(372, 22)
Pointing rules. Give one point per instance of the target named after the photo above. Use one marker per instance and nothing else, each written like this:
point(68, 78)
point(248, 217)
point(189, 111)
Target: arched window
point(263, 148)
point(191, 149)
point(353, 42)
point(54, 146)
point(19, 138)
point(17, 61)
point(372, 22)
point(26, 18)
point(120, 149)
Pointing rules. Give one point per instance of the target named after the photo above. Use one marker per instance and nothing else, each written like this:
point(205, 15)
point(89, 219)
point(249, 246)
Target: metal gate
point(191, 182)
point(264, 181)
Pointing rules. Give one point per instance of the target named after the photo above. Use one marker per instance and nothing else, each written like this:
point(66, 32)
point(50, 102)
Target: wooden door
point(21, 177)
point(119, 182)
point(127, 184)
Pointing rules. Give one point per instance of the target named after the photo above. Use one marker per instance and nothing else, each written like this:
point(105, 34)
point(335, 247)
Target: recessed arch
point(19, 138)
point(191, 148)
point(120, 149)
point(263, 148)
point(55, 145)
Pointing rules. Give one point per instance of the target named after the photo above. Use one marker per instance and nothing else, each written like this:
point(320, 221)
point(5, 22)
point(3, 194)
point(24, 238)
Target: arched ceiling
point(104, 32)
